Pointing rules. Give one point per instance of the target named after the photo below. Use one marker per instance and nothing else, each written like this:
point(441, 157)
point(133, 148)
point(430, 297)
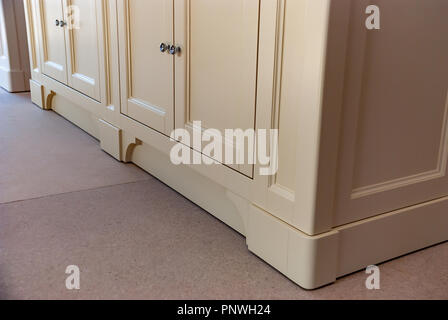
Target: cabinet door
point(147, 74)
point(85, 46)
point(394, 147)
point(53, 53)
point(216, 73)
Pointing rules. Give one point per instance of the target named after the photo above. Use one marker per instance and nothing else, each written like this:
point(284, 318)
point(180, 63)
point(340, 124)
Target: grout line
point(75, 191)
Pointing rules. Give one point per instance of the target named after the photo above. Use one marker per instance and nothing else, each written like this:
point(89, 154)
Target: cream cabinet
point(217, 72)
point(361, 114)
point(73, 43)
point(198, 63)
point(148, 74)
point(395, 123)
point(14, 68)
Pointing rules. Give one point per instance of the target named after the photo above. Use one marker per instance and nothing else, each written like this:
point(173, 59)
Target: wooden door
point(394, 145)
point(216, 72)
point(85, 43)
point(54, 63)
point(147, 73)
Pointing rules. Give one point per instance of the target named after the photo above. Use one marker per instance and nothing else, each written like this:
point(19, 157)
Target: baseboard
point(210, 196)
point(391, 235)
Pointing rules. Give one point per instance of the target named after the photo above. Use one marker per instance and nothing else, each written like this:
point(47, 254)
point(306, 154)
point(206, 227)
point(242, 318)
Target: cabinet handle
point(174, 50)
point(63, 24)
point(163, 47)
point(57, 22)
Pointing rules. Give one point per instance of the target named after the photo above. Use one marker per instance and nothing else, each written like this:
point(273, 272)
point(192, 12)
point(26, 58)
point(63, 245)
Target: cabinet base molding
point(315, 261)
point(309, 261)
point(129, 145)
point(110, 139)
point(388, 236)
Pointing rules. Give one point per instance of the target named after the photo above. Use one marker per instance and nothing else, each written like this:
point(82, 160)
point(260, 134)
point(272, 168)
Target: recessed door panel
point(85, 43)
point(148, 83)
point(53, 54)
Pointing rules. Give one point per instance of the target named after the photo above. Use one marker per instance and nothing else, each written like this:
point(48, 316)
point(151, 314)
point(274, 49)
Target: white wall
point(14, 61)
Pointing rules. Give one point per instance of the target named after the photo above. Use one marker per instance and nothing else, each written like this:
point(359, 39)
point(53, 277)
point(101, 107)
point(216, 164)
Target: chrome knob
point(163, 47)
point(57, 22)
point(174, 50)
point(62, 24)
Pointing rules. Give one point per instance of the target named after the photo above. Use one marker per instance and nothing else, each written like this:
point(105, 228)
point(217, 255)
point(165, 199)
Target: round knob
point(57, 22)
point(62, 24)
point(163, 47)
point(174, 50)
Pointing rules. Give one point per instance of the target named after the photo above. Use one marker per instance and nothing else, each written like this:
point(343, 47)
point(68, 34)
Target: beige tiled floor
point(63, 202)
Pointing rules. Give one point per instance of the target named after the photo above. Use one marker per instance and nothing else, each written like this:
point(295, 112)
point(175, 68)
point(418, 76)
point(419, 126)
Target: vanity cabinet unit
point(361, 114)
